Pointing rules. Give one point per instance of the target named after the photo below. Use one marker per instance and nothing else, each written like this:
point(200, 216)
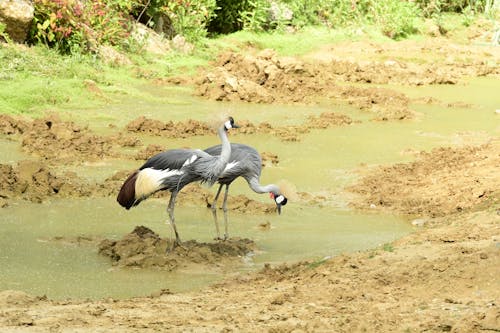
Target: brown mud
point(143, 248)
point(57, 141)
point(444, 277)
point(267, 78)
point(441, 182)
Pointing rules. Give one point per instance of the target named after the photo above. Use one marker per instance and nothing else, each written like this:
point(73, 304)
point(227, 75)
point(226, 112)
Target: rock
point(419, 222)
point(17, 16)
point(150, 41)
point(180, 44)
point(279, 12)
point(111, 56)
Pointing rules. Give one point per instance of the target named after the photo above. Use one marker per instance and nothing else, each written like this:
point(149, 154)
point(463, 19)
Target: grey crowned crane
point(244, 161)
point(173, 169)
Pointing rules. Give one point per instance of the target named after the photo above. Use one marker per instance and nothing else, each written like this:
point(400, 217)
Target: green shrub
point(189, 18)
point(227, 16)
point(430, 7)
point(396, 19)
point(3, 34)
point(70, 25)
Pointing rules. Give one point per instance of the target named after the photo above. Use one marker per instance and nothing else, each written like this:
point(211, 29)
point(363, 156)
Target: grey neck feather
point(226, 145)
point(256, 187)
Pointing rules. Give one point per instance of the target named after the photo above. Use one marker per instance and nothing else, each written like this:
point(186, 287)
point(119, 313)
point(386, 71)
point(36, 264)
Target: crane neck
point(226, 145)
point(258, 188)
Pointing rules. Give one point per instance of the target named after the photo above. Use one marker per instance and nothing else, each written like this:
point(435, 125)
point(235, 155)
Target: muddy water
point(11, 151)
point(51, 249)
point(39, 247)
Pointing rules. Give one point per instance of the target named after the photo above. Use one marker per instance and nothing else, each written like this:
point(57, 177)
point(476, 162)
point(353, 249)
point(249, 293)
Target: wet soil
point(57, 141)
point(441, 182)
point(143, 248)
point(442, 277)
point(267, 78)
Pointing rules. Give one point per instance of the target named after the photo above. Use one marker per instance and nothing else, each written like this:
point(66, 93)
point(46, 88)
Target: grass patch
point(318, 262)
point(388, 247)
point(301, 42)
point(38, 79)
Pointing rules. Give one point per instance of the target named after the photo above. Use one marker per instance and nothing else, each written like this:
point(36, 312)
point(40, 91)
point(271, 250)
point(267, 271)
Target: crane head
point(230, 124)
point(279, 199)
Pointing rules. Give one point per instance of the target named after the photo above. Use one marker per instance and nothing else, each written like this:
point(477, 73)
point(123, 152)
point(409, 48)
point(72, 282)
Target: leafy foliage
point(73, 25)
point(430, 7)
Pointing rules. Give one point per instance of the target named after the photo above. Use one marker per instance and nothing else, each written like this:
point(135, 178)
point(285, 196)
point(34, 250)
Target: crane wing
point(173, 159)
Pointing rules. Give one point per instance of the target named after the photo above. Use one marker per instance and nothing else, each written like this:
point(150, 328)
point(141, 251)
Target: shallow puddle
point(51, 248)
point(10, 151)
point(321, 163)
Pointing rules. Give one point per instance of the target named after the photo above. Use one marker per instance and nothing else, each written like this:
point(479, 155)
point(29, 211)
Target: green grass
point(37, 79)
point(388, 247)
point(301, 42)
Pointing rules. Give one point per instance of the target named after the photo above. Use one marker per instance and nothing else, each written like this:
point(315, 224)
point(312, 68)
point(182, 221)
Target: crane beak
point(279, 209)
point(235, 126)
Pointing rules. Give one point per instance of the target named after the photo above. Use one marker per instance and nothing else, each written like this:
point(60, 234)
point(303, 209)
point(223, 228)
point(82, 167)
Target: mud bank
point(57, 141)
point(442, 181)
point(267, 78)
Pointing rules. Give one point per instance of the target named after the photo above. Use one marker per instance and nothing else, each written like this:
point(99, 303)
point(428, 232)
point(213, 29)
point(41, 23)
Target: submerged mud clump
point(292, 133)
point(169, 129)
point(145, 249)
point(440, 182)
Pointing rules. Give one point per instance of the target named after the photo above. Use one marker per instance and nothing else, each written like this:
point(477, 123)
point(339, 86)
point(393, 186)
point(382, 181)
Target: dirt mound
point(53, 139)
point(149, 151)
point(33, 181)
point(439, 61)
point(267, 78)
point(144, 248)
point(386, 104)
point(10, 125)
point(440, 182)
point(169, 129)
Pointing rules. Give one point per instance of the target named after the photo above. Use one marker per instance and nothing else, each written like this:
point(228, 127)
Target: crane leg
point(170, 210)
point(214, 212)
point(224, 208)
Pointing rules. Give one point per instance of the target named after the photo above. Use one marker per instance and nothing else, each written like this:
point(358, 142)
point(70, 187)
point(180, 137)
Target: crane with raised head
point(244, 161)
point(173, 169)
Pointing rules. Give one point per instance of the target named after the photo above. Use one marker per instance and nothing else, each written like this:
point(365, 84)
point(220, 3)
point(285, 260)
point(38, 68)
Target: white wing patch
point(190, 160)
point(231, 165)
point(149, 180)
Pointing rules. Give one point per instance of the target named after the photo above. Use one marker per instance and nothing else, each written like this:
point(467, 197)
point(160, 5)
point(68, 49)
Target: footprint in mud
point(143, 248)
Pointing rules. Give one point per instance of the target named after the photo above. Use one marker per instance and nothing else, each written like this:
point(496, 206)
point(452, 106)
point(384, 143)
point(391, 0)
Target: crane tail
point(126, 196)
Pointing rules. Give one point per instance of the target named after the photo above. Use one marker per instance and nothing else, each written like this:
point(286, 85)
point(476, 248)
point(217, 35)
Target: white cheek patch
point(227, 124)
point(279, 199)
